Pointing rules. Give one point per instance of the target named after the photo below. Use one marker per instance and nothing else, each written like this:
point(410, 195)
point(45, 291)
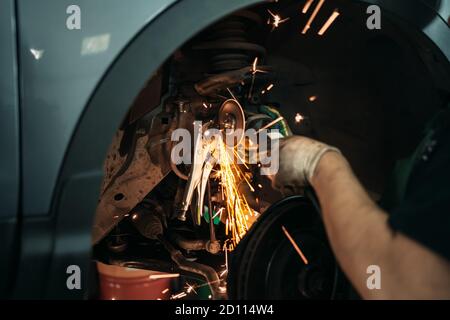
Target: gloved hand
point(298, 159)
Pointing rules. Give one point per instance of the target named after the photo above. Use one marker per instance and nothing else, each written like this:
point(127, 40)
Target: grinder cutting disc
point(232, 121)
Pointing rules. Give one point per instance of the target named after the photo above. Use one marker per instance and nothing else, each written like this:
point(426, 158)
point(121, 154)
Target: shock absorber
point(231, 48)
point(229, 43)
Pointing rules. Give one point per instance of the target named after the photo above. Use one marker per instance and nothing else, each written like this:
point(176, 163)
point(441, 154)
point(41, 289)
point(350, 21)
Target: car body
point(61, 100)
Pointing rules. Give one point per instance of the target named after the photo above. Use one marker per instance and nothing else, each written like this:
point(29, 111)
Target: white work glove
point(298, 159)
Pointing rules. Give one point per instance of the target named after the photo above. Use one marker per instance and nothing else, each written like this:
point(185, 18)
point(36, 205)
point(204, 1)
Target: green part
point(282, 126)
point(204, 292)
point(206, 216)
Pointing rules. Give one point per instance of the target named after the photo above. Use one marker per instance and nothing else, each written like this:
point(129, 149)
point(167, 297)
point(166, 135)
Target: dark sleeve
point(424, 215)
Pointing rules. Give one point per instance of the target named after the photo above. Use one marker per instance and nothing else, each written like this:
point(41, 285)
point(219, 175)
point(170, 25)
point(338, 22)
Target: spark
point(299, 118)
point(219, 212)
point(163, 276)
point(179, 295)
point(223, 272)
point(260, 185)
point(242, 161)
point(210, 296)
point(329, 22)
point(277, 20)
point(254, 65)
point(134, 216)
point(193, 287)
point(206, 106)
point(190, 288)
point(226, 258)
point(231, 94)
point(313, 16)
point(231, 175)
point(295, 245)
point(206, 284)
point(307, 6)
point(270, 124)
point(165, 291)
point(312, 98)
point(254, 70)
point(269, 87)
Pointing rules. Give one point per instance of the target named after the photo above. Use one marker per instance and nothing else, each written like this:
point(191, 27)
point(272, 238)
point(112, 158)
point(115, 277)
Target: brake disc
point(265, 264)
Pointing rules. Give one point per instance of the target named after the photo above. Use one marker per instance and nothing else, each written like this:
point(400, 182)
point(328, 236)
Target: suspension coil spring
point(230, 43)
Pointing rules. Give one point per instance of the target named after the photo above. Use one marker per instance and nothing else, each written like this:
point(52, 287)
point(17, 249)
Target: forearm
point(356, 226)
point(358, 229)
point(360, 237)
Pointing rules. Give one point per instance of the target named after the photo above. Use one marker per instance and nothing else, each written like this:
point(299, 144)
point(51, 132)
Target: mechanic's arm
point(357, 228)
point(360, 236)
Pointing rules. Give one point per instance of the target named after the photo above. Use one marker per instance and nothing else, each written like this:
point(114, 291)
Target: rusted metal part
point(144, 173)
point(149, 219)
point(114, 161)
point(128, 179)
point(120, 194)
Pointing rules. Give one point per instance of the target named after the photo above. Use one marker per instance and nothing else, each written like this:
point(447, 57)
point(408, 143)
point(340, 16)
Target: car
point(82, 80)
